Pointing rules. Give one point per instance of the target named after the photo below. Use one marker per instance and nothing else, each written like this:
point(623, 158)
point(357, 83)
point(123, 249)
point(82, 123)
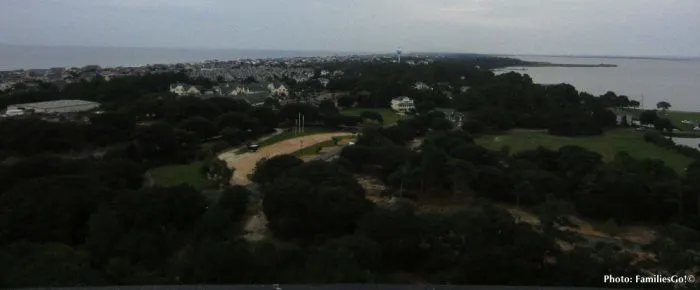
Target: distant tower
point(398, 55)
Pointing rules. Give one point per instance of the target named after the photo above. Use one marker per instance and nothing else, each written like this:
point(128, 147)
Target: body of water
point(690, 142)
point(674, 81)
point(27, 57)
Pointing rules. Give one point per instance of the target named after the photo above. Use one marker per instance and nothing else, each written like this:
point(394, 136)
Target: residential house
point(402, 104)
point(184, 90)
point(35, 73)
point(232, 90)
point(454, 116)
point(277, 89)
point(625, 119)
point(422, 86)
point(91, 69)
point(324, 81)
point(6, 86)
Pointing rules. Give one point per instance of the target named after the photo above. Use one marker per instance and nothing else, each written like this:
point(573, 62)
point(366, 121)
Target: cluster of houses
point(263, 72)
point(300, 69)
point(231, 89)
point(254, 93)
point(61, 76)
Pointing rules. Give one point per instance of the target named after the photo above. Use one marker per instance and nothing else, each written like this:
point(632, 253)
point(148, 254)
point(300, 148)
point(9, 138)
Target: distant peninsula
point(549, 64)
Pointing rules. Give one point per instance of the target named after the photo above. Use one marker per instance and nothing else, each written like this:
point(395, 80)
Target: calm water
point(690, 142)
point(675, 81)
point(25, 57)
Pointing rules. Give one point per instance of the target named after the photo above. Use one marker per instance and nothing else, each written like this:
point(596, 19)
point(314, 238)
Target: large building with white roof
point(52, 107)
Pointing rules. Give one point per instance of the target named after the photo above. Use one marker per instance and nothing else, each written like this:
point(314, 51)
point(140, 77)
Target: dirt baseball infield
point(245, 163)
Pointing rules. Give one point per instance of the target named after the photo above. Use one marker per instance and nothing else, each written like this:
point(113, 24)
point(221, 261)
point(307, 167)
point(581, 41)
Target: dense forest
point(70, 216)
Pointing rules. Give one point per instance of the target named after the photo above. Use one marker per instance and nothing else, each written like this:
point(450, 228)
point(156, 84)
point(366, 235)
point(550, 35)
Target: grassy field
point(174, 175)
point(313, 149)
point(287, 135)
point(607, 145)
point(290, 134)
point(388, 115)
point(675, 116)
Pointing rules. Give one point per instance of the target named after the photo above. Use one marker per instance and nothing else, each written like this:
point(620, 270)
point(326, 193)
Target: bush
point(386, 192)
point(610, 227)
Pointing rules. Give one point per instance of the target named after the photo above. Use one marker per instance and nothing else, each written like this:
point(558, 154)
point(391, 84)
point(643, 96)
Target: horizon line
point(581, 55)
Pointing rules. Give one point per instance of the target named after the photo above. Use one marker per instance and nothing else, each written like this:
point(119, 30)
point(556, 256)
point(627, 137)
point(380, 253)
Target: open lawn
point(607, 145)
point(675, 116)
point(174, 175)
point(287, 135)
point(314, 149)
point(388, 115)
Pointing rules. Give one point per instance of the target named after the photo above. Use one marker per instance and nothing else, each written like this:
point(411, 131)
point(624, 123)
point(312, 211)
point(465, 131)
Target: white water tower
point(398, 55)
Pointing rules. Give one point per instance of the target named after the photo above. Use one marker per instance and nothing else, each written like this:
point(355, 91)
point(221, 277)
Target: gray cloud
point(620, 27)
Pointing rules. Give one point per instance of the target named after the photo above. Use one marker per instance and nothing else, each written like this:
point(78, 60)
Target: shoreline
point(549, 64)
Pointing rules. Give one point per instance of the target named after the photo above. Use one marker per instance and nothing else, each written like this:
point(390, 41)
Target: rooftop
point(56, 104)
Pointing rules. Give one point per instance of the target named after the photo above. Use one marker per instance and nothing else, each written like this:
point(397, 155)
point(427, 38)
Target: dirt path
point(245, 163)
point(256, 226)
point(230, 156)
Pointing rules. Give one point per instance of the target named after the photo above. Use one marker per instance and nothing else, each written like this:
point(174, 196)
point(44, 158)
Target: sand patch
point(245, 163)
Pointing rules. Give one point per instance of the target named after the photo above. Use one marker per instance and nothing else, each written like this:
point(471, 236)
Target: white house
point(421, 86)
point(238, 91)
point(277, 89)
point(324, 81)
point(452, 115)
point(232, 90)
point(6, 86)
point(184, 89)
point(402, 104)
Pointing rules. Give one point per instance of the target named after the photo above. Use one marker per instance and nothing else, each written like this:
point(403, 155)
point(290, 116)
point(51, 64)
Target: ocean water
point(673, 80)
point(27, 57)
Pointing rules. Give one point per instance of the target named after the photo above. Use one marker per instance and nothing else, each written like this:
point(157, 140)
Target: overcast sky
point(590, 27)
